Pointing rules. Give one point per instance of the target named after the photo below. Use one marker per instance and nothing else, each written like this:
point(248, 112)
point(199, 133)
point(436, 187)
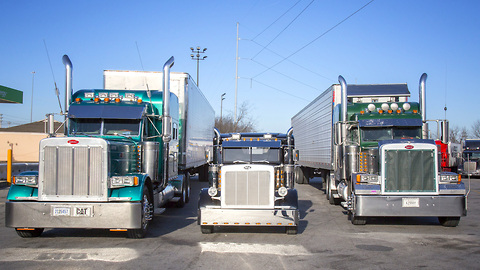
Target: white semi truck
point(251, 183)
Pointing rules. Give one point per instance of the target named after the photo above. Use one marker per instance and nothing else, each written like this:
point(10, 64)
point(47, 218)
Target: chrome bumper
point(433, 206)
point(248, 217)
point(111, 215)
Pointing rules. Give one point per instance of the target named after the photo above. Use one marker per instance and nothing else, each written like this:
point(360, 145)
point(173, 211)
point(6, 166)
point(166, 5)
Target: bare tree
point(244, 122)
point(476, 129)
point(463, 134)
point(454, 134)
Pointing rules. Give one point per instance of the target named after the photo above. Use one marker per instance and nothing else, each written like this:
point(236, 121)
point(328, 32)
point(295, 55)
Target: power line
point(285, 75)
point(274, 88)
point(285, 28)
point(276, 20)
point(324, 33)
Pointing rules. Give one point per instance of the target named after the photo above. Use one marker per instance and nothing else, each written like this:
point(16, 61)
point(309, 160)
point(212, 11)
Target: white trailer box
point(197, 119)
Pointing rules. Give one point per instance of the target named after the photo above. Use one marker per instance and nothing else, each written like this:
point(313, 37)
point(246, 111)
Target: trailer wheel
point(291, 230)
point(147, 215)
point(30, 233)
point(356, 220)
point(206, 229)
point(449, 221)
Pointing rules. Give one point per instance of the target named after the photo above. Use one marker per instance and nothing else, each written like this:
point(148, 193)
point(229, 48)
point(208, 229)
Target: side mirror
point(296, 155)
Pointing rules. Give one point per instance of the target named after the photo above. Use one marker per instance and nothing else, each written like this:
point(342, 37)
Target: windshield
point(376, 134)
point(380, 134)
point(406, 133)
point(125, 127)
point(88, 126)
point(251, 155)
point(471, 155)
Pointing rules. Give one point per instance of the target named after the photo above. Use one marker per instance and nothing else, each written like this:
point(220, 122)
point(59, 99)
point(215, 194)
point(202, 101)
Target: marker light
point(139, 100)
point(78, 100)
point(415, 111)
point(371, 107)
point(97, 100)
point(385, 106)
point(106, 100)
point(406, 106)
point(399, 111)
point(394, 106)
point(380, 111)
point(117, 100)
point(390, 111)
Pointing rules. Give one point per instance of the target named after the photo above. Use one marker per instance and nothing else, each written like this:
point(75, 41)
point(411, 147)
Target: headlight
point(450, 178)
point(26, 180)
point(282, 191)
point(372, 179)
point(212, 191)
point(123, 181)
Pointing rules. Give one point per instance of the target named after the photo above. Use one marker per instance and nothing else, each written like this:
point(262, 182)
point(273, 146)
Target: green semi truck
point(126, 154)
point(371, 147)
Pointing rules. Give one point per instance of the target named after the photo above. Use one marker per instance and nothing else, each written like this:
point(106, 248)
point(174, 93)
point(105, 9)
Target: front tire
point(206, 229)
point(300, 176)
point(291, 230)
point(449, 221)
point(183, 196)
point(29, 233)
point(356, 220)
point(147, 216)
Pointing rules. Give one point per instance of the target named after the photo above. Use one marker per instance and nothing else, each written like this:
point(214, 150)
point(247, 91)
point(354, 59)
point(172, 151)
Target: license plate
point(61, 211)
point(72, 211)
point(410, 202)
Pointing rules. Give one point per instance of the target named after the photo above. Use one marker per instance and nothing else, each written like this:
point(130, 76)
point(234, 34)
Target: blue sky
point(385, 42)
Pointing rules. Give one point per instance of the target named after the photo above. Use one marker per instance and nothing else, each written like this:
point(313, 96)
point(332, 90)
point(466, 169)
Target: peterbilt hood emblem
point(409, 146)
point(247, 167)
point(72, 141)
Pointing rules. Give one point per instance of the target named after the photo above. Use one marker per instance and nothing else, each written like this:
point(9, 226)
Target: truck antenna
point(149, 94)
point(54, 81)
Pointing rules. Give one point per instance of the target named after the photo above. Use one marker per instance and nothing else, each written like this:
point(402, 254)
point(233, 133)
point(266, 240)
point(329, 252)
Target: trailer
point(251, 183)
point(371, 147)
point(126, 154)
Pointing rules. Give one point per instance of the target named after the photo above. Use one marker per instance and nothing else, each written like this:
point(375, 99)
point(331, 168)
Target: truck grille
point(73, 173)
point(247, 188)
point(410, 171)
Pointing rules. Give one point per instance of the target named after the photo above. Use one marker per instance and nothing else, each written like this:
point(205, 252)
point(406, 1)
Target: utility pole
point(236, 77)
point(31, 104)
point(222, 97)
point(197, 57)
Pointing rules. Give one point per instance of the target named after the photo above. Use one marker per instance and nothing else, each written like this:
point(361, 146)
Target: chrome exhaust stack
point(423, 104)
point(167, 119)
point(68, 86)
point(343, 85)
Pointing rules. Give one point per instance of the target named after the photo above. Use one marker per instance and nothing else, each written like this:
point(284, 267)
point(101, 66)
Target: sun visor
point(106, 111)
point(390, 122)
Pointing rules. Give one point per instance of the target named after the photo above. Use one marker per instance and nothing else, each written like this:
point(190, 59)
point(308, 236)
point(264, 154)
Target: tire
point(291, 230)
point(187, 180)
point(330, 197)
point(449, 221)
point(299, 176)
point(30, 233)
point(357, 220)
point(206, 229)
point(147, 216)
point(183, 196)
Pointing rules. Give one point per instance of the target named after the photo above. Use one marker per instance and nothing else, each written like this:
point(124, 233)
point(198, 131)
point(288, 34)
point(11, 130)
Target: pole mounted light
point(196, 56)
point(222, 97)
